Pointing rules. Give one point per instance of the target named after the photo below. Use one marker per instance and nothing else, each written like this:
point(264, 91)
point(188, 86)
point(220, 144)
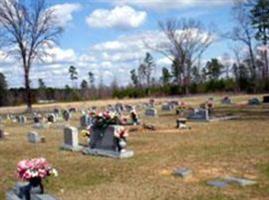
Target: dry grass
point(238, 147)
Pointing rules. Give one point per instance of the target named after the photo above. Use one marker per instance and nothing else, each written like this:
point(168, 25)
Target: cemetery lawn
point(216, 149)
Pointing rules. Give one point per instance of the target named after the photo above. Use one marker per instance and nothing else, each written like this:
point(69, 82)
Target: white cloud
point(64, 12)
point(123, 17)
point(169, 4)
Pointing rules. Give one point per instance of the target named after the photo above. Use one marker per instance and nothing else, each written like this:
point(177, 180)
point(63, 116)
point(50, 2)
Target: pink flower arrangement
point(34, 168)
point(121, 133)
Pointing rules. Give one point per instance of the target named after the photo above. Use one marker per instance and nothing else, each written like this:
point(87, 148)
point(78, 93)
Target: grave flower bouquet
point(35, 168)
point(104, 119)
point(121, 133)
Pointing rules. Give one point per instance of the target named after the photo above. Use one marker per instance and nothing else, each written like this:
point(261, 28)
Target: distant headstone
point(128, 108)
point(66, 115)
point(218, 183)
point(167, 107)
point(71, 139)
point(199, 115)
point(183, 172)
point(265, 99)
point(226, 101)
point(34, 137)
point(104, 143)
point(21, 119)
point(52, 118)
point(240, 181)
point(73, 110)
point(151, 112)
point(254, 102)
point(56, 111)
point(2, 134)
point(85, 121)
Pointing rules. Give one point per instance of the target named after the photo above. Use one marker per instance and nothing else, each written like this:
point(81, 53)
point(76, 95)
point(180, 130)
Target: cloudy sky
point(107, 37)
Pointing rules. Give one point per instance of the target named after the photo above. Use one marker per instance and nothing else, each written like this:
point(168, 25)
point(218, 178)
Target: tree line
point(28, 28)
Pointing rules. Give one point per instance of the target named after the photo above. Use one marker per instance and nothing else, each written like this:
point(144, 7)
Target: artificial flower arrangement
point(35, 168)
point(104, 119)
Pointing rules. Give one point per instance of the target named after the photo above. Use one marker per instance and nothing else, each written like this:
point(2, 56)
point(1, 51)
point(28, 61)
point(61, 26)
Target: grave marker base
point(71, 148)
point(107, 153)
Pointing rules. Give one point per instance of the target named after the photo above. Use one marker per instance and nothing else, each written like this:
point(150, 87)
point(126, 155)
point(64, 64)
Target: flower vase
point(34, 184)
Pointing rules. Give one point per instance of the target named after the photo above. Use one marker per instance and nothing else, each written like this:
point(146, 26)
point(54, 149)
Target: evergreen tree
point(260, 21)
point(3, 90)
point(73, 74)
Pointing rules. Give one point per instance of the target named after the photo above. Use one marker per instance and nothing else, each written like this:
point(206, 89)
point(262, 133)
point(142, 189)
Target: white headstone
point(33, 137)
point(71, 139)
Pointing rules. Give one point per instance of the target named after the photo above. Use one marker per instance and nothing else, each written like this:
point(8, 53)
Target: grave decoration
point(181, 108)
point(32, 173)
point(107, 137)
point(134, 117)
point(182, 123)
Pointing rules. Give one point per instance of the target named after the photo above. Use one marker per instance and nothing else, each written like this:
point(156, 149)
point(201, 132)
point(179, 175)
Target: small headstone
point(33, 137)
point(71, 139)
point(254, 102)
point(265, 99)
point(218, 183)
point(52, 118)
point(151, 112)
point(226, 101)
point(21, 119)
point(73, 110)
point(199, 115)
point(85, 121)
point(240, 181)
point(167, 107)
point(2, 134)
point(66, 115)
point(182, 123)
point(183, 172)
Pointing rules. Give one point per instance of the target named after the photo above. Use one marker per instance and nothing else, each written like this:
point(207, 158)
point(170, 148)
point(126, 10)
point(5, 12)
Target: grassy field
point(216, 149)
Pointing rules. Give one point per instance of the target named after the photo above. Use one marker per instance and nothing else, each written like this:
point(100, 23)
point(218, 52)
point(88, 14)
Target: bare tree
point(187, 40)
point(243, 31)
point(29, 29)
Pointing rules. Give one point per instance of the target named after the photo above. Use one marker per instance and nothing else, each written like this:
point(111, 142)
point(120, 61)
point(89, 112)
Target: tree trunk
point(28, 94)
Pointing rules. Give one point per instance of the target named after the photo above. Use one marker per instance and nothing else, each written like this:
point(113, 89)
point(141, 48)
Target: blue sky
point(106, 37)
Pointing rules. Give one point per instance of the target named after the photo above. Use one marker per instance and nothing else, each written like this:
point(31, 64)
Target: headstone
point(71, 139)
point(265, 99)
point(73, 110)
point(151, 112)
point(128, 108)
point(167, 107)
point(66, 115)
point(104, 143)
point(240, 181)
point(254, 102)
point(199, 115)
point(226, 101)
point(218, 183)
point(52, 118)
point(2, 134)
point(21, 119)
point(57, 111)
point(33, 137)
point(119, 108)
point(85, 121)
point(183, 172)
